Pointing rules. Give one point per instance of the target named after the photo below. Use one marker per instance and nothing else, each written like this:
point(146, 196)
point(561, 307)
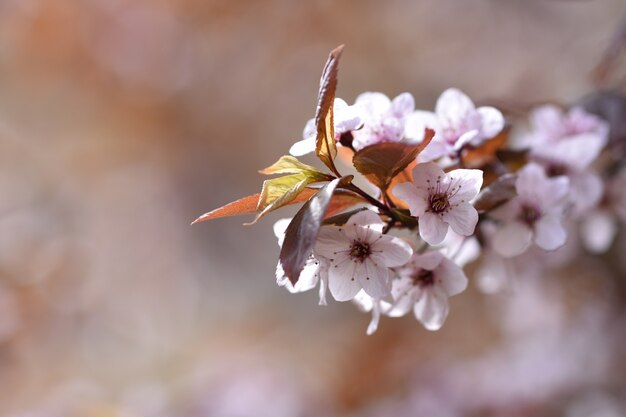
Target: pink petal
point(403, 104)
point(373, 278)
point(599, 228)
point(470, 181)
point(492, 121)
point(342, 282)
point(462, 218)
point(428, 171)
point(528, 180)
point(432, 228)
point(432, 309)
point(512, 239)
point(303, 147)
point(453, 106)
point(392, 251)
point(329, 241)
point(429, 260)
point(415, 124)
point(549, 232)
point(451, 278)
point(363, 225)
point(548, 120)
point(416, 199)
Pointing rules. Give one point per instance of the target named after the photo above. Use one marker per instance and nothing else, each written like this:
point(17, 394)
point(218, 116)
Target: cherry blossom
point(424, 285)
point(534, 215)
point(383, 119)
point(360, 256)
point(567, 144)
point(441, 199)
point(315, 269)
point(346, 118)
point(456, 122)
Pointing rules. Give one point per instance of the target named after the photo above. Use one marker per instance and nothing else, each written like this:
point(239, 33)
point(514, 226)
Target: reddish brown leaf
point(326, 148)
point(247, 205)
point(499, 192)
point(381, 162)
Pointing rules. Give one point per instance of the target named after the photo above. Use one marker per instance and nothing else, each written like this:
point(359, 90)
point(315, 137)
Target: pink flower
point(383, 119)
point(424, 285)
point(440, 200)
point(456, 122)
point(360, 256)
point(534, 215)
point(346, 118)
point(567, 144)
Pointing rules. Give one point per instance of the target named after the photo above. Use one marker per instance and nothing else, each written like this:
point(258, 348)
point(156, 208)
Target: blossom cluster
point(451, 186)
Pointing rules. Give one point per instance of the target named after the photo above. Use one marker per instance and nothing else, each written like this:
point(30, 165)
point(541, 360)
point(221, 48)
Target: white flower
point(424, 285)
point(315, 269)
point(440, 200)
point(456, 122)
point(360, 256)
point(345, 117)
point(383, 119)
point(534, 215)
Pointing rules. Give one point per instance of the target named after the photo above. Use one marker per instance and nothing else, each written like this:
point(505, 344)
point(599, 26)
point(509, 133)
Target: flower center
point(529, 214)
point(424, 278)
point(439, 202)
point(555, 169)
point(359, 251)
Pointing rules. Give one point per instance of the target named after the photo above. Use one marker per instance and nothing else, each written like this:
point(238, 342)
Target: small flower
point(440, 200)
point(346, 118)
point(424, 285)
point(383, 119)
point(456, 122)
point(360, 256)
point(534, 215)
point(315, 269)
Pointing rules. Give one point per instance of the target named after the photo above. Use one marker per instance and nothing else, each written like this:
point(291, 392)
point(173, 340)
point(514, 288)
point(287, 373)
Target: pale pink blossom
point(456, 122)
point(383, 119)
point(567, 143)
point(360, 256)
point(424, 285)
point(534, 215)
point(345, 117)
point(315, 269)
point(441, 200)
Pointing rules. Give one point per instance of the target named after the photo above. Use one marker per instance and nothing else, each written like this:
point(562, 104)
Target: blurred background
point(121, 121)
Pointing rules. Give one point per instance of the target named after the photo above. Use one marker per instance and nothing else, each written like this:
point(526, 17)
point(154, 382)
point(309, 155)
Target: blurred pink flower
point(456, 122)
point(441, 199)
point(534, 215)
point(383, 119)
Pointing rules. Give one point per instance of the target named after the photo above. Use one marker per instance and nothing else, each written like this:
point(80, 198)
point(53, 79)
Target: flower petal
point(469, 182)
point(432, 308)
point(303, 147)
point(451, 278)
point(492, 121)
point(415, 124)
point(512, 239)
point(364, 225)
point(415, 198)
point(392, 251)
point(453, 106)
point(373, 278)
point(462, 218)
point(427, 172)
point(330, 240)
point(402, 105)
point(342, 282)
point(599, 228)
point(432, 228)
point(549, 232)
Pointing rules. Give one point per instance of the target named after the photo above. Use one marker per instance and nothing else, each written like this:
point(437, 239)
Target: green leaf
point(302, 232)
point(383, 161)
point(288, 164)
point(326, 148)
point(497, 193)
